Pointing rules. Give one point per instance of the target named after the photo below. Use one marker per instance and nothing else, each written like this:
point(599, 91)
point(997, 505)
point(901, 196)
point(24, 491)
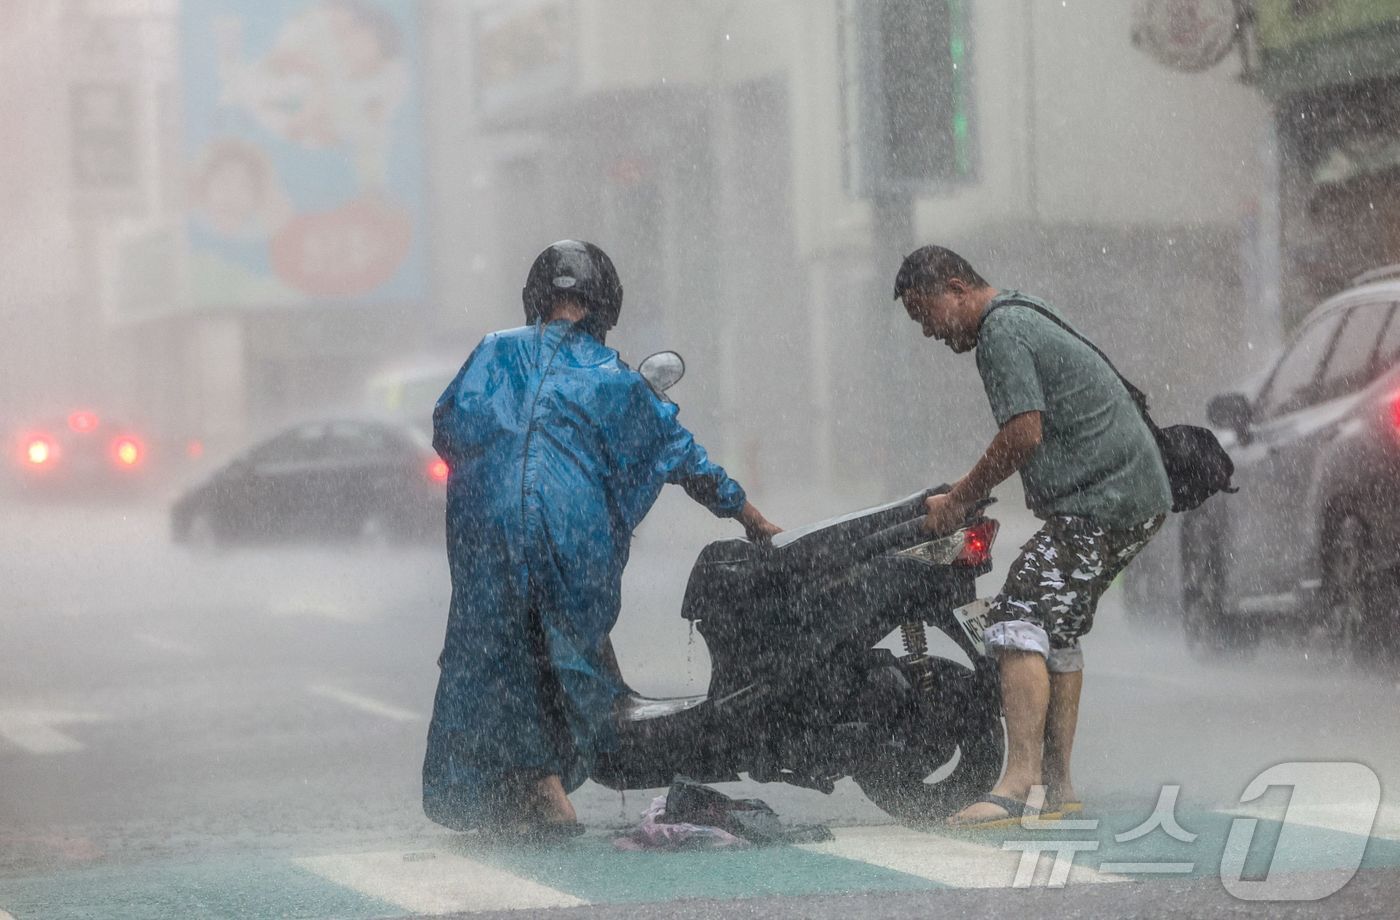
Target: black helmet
point(577, 268)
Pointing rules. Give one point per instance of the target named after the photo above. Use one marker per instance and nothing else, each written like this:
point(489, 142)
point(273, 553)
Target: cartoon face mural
point(315, 96)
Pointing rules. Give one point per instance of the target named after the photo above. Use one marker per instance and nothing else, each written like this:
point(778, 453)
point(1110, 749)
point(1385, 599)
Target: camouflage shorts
point(1056, 582)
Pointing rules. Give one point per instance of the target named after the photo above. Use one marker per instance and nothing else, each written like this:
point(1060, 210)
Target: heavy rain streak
point(354, 564)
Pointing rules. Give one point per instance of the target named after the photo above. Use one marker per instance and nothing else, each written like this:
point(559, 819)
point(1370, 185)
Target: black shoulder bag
point(1197, 466)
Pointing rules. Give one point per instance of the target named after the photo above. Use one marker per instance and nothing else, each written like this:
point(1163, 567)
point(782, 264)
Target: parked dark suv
point(1314, 532)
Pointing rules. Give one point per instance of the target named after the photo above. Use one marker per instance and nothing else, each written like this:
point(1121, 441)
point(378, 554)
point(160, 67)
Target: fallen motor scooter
point(799, 692)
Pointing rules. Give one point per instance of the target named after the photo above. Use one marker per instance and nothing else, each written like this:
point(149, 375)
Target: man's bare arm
point(1009, 451)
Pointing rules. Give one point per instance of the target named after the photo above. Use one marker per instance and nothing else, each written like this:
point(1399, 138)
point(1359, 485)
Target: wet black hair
point(930, 268)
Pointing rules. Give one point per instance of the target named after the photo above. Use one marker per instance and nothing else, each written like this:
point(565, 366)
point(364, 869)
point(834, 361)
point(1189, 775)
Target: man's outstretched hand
point(757, 527)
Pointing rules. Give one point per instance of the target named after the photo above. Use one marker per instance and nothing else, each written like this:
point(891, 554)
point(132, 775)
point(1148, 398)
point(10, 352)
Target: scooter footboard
point(658, 739)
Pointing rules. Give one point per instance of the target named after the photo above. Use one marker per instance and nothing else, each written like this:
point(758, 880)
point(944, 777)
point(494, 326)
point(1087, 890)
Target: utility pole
point(912, 136)
point(893, 236)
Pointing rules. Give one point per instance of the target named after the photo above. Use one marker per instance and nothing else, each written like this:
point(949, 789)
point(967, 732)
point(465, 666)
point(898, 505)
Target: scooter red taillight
point(977, 543)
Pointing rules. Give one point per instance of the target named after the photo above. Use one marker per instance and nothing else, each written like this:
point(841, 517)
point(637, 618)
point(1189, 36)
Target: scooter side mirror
point(662, 370)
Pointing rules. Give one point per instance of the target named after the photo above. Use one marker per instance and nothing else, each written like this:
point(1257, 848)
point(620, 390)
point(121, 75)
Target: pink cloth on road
point(652, 834)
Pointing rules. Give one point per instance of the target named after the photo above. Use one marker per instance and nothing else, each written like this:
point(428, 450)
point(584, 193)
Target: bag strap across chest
point(1139, 397)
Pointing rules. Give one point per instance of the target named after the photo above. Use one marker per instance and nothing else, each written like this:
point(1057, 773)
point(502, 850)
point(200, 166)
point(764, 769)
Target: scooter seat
point(737, 575)
point(634, 708)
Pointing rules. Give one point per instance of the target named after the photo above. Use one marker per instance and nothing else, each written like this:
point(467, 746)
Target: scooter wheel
point(929, 767)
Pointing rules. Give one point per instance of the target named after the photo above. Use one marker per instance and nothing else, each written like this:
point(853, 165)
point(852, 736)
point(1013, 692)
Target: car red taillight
point(82, 422)
point(127, 452)
point(437, 470)
point(977, 543)
point(40, 451)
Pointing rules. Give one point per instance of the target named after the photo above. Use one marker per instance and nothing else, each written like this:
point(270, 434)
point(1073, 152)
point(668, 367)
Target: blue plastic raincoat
point(557, 450)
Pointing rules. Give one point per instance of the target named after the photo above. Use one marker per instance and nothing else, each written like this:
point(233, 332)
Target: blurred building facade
point(36, 234)
point(1332, 74)
point(156, 211)
point(718, 149)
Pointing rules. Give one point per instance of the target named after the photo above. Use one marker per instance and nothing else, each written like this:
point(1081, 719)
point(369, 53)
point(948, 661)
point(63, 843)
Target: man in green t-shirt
point(1091, 471)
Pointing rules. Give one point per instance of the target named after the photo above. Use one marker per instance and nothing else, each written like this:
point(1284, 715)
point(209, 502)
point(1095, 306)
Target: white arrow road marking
point(366, 703)
point(948, 861)
point(33, 729)
point(443, 884)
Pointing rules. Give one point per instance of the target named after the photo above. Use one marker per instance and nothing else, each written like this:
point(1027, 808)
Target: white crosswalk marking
point(946, 860)
point(366, 703)
point(442, 884)
point(33, 729)
point(1345, 817)
point(1387, 822)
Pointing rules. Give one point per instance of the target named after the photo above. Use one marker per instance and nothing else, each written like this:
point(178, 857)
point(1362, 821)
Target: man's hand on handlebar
point(944, 514)
point(757, 527)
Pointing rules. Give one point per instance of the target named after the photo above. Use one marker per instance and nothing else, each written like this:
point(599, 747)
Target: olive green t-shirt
point(1097, 457)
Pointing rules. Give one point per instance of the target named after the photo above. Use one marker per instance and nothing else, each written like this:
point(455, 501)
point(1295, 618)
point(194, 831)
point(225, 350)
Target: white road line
point(326, 608)
point(366, 703)
point(946, 860)
point(167, 644)
point(33, 729)
point(444, 884)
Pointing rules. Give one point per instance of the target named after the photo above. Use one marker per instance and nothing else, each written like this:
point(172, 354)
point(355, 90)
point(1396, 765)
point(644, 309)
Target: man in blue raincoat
point(556, 451)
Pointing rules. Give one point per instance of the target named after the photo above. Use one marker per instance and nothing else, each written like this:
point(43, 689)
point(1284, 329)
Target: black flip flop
point(1015, 810)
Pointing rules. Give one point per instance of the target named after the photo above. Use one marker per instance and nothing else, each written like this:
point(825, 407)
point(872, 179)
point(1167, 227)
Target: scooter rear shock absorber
point(915, 642)
point(916, 655)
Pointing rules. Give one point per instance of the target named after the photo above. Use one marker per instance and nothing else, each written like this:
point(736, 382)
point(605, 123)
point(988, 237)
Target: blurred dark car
point(1311, 544)
point(85, 454)
point(343, 479)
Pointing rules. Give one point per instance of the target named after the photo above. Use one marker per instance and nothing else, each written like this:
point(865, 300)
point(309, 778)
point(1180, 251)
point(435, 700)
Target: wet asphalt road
point(157, 704)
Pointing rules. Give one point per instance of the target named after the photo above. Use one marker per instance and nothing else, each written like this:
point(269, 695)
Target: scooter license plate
point(973, 618)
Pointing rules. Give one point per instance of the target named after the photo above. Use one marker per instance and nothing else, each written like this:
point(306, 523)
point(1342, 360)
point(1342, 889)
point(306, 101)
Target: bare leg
point(552, 802)
point(1060, 723)
point(1025, 690)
